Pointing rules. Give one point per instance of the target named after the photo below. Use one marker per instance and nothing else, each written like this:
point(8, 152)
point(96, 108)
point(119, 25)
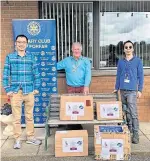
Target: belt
point(127, 90)
point(75, 87)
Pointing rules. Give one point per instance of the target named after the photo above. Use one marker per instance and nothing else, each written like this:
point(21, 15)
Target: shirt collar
point(81, 57)
point(130, 59)
point(19, 55)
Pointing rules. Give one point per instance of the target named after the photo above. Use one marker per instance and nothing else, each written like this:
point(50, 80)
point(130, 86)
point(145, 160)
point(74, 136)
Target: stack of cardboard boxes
point(110, 141)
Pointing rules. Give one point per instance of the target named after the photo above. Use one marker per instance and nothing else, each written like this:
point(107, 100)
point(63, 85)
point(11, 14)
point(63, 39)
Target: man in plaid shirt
point(21, 81)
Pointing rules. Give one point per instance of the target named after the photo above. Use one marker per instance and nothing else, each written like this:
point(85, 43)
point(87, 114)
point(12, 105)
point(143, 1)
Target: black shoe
point(135, 138)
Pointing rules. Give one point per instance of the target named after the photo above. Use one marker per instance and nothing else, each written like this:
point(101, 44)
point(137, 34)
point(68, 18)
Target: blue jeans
point(129, 105)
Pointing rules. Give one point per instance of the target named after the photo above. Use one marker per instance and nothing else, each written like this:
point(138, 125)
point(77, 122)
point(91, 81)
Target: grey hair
point(77, 43)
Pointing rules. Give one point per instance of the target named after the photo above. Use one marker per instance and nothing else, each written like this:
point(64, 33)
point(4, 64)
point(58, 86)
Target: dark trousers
point(129, 102)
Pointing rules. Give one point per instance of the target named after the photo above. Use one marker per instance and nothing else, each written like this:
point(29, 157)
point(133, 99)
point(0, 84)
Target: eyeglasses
point(21, 42)
point(128, 47)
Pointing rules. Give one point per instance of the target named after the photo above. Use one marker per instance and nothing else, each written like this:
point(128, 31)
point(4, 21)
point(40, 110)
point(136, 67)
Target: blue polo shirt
point(130, 74)
point(78, 72)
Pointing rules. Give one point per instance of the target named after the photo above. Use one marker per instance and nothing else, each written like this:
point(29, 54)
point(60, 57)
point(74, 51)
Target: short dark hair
point(22, 36)
point(128, 42)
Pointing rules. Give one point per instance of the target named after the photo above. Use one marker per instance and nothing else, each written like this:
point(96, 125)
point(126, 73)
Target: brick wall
point(29, 10)
point(105, 84)
point(9, 11)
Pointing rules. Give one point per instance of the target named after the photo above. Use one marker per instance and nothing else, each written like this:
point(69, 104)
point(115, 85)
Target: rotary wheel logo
point(36, 99)
point(53, 69)
point(33, 28)
point(54, 89)
point(53, 58)
point(54, 79)
point(44, 94)
point(37, 109)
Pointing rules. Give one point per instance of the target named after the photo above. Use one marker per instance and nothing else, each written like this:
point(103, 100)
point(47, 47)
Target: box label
point(109, 110)
point(72, 144)
point(109, 129)
point(61, 132)
point(75, 108)
point(112, 147)
point(98, 137)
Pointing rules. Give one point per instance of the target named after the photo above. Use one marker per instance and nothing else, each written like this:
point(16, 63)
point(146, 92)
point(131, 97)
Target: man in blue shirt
point(78, 71)
point(21, 81)
point(130, 80)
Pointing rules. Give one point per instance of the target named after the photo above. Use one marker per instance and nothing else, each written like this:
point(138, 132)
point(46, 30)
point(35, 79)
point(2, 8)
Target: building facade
point(101, 27)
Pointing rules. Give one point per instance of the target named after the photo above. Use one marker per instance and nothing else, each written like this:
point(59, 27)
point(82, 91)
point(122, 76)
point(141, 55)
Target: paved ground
point(51, 158)
point(34, 152)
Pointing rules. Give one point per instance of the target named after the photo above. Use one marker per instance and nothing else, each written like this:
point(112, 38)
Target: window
point(116, 28)
point(114, 22)
point(73, 24)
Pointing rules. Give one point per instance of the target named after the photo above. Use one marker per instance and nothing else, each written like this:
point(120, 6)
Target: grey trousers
point(129, 105)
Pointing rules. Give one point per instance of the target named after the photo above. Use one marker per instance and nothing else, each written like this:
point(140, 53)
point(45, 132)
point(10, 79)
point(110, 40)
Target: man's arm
point(61, 65)
point(140, 76)
point(87, 74)
point(6, 76)
point(117, 85)
point(36, 76)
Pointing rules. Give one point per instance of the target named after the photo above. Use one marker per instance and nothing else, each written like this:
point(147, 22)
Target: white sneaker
point(17, 144)
point(34, 141)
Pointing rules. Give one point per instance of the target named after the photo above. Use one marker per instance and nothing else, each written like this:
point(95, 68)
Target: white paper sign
point(109, 110)
point(111, 147)
point(98, 138)
point(120, 157)
point(75, 108)
point(72, 144)
point(62, 132)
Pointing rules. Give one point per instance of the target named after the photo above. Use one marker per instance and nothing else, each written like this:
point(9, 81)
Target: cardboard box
point(71, 143)
point(76, 107)
point(112, 142)
point(110, 110)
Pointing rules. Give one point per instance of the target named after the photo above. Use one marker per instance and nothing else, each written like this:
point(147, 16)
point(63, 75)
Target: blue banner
point(42, 43)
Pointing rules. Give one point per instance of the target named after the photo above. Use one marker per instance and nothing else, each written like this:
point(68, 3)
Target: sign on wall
point(42, 43)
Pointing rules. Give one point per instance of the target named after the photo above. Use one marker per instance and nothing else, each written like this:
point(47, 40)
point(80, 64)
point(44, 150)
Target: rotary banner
point(42, 43)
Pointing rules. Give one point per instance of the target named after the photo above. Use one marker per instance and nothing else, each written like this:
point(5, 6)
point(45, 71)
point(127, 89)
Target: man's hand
point(10, 94)
point(35, 92)
point(86, 90)
point(139, 94)
point(115, 91)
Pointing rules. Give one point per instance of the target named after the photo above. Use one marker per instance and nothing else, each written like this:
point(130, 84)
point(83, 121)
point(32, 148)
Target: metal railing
point(74, 23)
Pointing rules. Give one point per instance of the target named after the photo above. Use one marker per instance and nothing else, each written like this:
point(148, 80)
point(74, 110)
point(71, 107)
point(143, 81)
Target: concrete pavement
point(31, 150)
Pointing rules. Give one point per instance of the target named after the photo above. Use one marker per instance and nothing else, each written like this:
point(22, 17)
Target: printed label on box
point(98, 137)
point(120, 157)
point(109, 129)
point(98, 141)
point(72, 144)
point(62, 132)
point(112, 146)
point(75, 108)
point(109, 110)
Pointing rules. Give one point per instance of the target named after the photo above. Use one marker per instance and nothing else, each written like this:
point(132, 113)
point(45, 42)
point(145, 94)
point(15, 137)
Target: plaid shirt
point(20, 72)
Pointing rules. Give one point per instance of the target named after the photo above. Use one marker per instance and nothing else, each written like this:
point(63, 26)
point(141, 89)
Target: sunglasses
point(128, 47)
